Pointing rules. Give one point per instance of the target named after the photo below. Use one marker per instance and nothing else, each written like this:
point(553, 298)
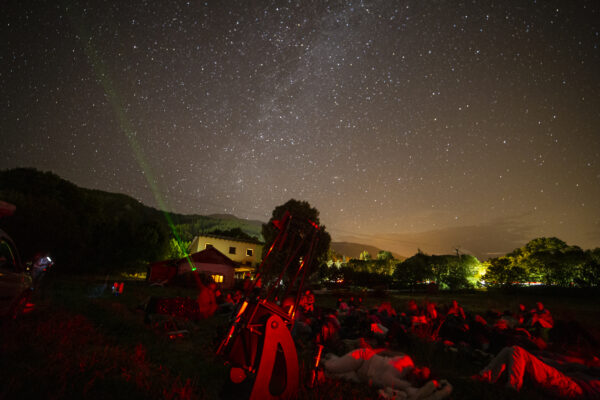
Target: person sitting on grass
point(207, 302)
point(307, 302)
point(394, 374)
point(455, 327)
point(541, 321)
point(512, 364)
point(456, 311)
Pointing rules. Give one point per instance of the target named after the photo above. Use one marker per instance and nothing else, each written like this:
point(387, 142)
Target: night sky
point(408, 124)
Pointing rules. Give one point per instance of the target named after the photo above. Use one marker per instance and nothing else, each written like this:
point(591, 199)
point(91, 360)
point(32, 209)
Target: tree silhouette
point(304, 219)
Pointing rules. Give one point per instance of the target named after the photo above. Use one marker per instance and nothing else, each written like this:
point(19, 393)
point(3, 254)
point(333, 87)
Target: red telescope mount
point(258, 347)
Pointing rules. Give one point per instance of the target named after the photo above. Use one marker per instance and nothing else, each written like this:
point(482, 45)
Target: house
point(210, 262)
point(213, 263)
point(246, 253)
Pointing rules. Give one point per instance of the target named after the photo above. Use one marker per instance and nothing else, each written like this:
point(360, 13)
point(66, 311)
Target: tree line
point(548, 261)
point(86, 230)
point(82, 229)
point(543, 261)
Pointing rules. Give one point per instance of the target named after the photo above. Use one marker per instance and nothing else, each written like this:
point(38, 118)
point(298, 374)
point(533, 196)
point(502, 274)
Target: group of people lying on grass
point(531, 329)
point(518, 340)
point(397, 377)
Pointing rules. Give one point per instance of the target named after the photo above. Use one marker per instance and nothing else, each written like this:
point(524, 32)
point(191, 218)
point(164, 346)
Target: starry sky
point(429, 125)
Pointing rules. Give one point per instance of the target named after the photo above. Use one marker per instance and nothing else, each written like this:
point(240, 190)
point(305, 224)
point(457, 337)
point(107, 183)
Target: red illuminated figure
point(456, 310)
point(259, 345)
point(512, 364)
point(117, 288)
point(396, 375)
point(307, 302)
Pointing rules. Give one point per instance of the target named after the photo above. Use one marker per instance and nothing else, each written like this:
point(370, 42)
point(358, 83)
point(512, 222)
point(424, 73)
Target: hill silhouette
point(86, 228)
point(353, 250)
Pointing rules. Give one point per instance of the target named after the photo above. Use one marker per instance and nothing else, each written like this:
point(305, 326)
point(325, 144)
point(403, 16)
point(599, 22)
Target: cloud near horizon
point(484, 241)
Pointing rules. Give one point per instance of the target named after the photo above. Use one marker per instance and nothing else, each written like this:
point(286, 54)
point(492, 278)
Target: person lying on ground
point(512, 364)
point(396, 374)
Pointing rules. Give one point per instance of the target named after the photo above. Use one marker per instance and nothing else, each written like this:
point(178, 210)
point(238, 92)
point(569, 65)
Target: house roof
point(211, 256)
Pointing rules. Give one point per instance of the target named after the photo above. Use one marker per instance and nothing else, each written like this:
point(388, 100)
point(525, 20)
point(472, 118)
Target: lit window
point(249, 252)
point(232, 250)
point(217, 278)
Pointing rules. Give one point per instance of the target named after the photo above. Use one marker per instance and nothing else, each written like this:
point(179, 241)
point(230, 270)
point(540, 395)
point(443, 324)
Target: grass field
point(76, 342)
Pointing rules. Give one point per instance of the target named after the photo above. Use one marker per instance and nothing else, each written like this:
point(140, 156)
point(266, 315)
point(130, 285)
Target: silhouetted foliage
point(549, 261)
point(364, 271)
point(234, 233)
point(177, 250)
point(81, 228)
point(302, 213)
point(448, 271)
point(190, 226)
point(364, 256)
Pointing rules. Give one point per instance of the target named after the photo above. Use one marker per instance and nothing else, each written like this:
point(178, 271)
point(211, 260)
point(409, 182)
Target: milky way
point(408, 124)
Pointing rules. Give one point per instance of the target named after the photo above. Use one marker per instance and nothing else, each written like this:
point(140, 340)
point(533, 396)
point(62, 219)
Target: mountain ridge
point(353, 249)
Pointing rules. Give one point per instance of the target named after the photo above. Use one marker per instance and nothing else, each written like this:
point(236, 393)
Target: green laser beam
point(115, 100)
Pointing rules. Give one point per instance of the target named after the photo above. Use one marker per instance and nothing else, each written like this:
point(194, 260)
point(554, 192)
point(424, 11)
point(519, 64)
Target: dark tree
point(82, 229)
point(413, 270)
point(547, 260)
point(302, 215)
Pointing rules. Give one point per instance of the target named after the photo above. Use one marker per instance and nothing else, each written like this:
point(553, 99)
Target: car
point(15, 281)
